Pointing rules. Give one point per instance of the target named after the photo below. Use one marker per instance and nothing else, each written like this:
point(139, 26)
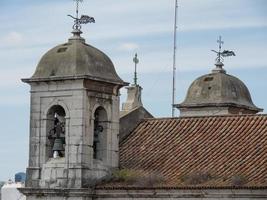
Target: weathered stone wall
point(131, 119)
point(78, 169)
point(147, 194)
point(67, 94)
point(211, 111)
point(58, 198)
point(171, 194)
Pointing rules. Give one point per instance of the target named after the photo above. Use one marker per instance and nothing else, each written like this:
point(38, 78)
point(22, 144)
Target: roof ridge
point(197, 117)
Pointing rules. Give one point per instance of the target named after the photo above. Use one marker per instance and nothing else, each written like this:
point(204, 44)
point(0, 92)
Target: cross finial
point(77, 7)
point(84, 19)
point(220, 42)
point(219, 58)
point(136, 61)
point(220, 55)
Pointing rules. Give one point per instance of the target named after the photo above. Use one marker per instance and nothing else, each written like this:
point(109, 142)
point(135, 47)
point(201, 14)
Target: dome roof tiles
point(218, 89)
point(76, 59)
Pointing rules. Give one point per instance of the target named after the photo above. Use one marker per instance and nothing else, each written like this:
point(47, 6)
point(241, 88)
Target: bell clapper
point(56, 154)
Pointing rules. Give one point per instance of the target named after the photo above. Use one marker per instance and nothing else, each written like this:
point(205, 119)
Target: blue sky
point(30, 28)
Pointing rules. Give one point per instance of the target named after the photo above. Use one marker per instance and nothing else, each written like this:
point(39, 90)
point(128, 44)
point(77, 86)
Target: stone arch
point(107, 108)
point(100, 133)
point(54, 103)
point(55, 129)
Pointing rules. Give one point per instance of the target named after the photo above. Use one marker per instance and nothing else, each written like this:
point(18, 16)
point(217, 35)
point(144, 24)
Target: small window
point(208, 79)
point(53, 73)
point(61, 50)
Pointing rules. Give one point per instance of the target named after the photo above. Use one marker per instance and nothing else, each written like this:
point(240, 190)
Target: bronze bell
point(58, 145)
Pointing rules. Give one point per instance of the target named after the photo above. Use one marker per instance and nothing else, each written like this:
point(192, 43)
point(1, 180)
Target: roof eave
point(58, 78)
point(202, 105)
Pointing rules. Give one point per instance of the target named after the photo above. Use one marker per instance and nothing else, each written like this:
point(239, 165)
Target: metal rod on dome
point(174, 58)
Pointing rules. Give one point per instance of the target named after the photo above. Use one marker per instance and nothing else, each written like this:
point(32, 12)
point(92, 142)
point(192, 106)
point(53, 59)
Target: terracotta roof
point(218, 151)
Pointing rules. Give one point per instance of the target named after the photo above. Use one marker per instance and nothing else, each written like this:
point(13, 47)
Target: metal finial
point(136, 61)
point(77, 7)
point(84, 19)
point(221, 54)
point(220, 42)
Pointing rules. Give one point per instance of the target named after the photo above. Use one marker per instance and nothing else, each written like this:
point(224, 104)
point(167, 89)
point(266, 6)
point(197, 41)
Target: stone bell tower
point(74, 119)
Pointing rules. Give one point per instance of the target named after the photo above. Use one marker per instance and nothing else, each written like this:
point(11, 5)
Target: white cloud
point(151, 18)
point(220, 25)
point(126, 19)
point(193, 59)
point(12, 39)
point(128, 47)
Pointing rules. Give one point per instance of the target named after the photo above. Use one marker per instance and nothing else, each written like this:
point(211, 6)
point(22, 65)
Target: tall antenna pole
point(174, 59)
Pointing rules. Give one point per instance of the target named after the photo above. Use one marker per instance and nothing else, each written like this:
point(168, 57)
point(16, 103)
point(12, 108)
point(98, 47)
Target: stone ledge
point(43, 192)
point(148, 193)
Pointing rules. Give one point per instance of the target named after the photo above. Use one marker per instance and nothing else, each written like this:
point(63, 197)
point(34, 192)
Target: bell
point(58, 145)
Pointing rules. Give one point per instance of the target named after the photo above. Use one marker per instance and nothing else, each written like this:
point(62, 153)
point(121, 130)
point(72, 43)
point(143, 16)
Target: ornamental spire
point(136, 61)
point(84, 19)
point(220, 56)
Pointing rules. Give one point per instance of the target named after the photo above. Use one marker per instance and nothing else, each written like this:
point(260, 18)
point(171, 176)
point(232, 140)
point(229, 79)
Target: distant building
point(10, 191)
point(1, 185)
point(20, 177)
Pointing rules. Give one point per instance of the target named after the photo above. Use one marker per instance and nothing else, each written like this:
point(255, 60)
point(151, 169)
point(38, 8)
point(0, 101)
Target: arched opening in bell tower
point(100, 133)
point(55, 132)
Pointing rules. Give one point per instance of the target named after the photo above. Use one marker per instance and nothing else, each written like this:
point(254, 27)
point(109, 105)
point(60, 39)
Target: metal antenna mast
point(174, 59)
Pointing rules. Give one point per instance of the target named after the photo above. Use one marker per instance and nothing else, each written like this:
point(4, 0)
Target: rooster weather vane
point(84, 19)
point(225, 53)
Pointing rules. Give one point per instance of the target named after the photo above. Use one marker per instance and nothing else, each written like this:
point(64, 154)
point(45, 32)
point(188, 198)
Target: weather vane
point(220, 54)
point(136, 61)
point(84, 19)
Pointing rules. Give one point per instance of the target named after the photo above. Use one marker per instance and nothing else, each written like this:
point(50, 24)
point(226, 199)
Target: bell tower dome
point(74, 117)
point(218, 93)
